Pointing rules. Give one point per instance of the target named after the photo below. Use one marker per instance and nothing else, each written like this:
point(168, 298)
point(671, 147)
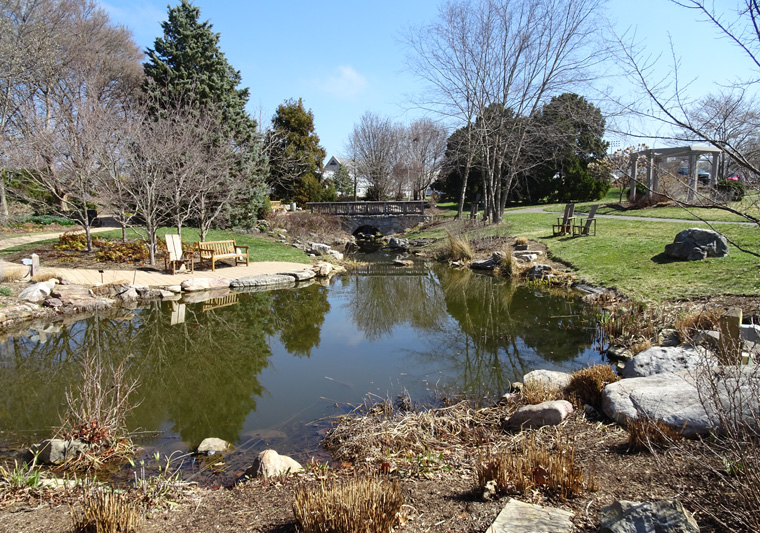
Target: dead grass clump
point(44, 276)
point(586, 385)
point(457, 249)
point(379, 432)
point(535, 465)
point(537, 391)
point(367, 504)
point(507, 266)
point(690, 324)
point(13, 274)
point(645, 434)
point(638, 347)
point(631, 324)
point(105, 511)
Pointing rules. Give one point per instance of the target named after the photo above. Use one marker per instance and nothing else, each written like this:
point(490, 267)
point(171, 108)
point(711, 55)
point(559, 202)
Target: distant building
point(334, 163)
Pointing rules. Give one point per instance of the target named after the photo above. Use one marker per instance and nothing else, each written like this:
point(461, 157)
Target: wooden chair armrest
point(242, 246)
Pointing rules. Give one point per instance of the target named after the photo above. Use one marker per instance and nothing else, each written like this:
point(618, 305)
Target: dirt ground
point(437, 501)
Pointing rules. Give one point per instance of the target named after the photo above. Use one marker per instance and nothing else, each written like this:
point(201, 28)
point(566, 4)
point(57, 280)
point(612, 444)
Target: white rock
point(212, 444)
point(269, 463)
point(174, 288)
point(336, 254)
point(37, 292)
point(543, 414)
point(548, 378)
point(520, 517)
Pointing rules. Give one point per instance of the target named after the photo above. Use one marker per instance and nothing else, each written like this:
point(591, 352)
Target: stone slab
point(520, 517)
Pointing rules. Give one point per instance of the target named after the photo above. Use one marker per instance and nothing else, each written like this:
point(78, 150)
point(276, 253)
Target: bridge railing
point(368, 208)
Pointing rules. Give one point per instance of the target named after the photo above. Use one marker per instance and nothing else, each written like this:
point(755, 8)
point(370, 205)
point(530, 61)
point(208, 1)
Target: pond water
point(268, 369)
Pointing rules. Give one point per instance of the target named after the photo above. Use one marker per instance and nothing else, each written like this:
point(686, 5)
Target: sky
point(344, 58)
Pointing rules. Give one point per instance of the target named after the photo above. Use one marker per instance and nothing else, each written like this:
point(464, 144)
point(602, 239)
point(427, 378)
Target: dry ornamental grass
point(366, 504)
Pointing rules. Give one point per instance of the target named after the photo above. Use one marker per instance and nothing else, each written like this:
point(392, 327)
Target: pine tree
point(294, 151)
point(187, 69)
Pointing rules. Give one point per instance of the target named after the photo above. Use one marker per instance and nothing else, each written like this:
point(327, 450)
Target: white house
point(334, 163)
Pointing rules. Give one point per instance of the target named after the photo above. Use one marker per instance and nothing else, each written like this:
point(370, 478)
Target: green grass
point(261, 248)
point(628, 255)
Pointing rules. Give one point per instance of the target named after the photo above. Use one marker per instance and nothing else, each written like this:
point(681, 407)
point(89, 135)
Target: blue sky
point(344, 57)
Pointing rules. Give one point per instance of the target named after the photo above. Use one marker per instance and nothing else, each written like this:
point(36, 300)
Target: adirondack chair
point(587, 226)
point(174, 258)
point(565, 223)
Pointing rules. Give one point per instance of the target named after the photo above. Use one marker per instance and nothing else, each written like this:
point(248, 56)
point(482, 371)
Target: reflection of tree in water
point(202, 374)
point(298, 314)
point(497, 322)
point(380, 303)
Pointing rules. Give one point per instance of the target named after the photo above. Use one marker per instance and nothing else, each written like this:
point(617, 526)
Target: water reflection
point(228, 370)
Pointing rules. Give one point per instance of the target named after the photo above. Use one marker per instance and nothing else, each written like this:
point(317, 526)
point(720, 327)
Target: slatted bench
point(213, 251)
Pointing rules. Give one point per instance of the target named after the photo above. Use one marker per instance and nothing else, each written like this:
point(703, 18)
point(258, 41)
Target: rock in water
point(269, 463)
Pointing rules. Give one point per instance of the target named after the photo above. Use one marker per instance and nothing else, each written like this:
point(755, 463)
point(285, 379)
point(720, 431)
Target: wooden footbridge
point(385, 217)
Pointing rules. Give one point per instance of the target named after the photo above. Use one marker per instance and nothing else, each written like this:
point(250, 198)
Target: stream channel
point(269, 369)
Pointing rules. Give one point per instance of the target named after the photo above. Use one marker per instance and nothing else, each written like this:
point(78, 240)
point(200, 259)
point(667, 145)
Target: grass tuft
point(536, 391)
point(645, 434)
point(457, 249)
point(105, 511)
point(586, 385)
point(367, 504)
point(534, 465)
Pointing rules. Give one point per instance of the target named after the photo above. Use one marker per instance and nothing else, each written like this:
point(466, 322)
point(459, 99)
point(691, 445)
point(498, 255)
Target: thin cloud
point(343, 82)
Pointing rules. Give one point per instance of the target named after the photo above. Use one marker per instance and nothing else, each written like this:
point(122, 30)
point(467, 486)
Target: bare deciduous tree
point(82, 74)
point(425, 147)
point(507, 55)
point(375, 144)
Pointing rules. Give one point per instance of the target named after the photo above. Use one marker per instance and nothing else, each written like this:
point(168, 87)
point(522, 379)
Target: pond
point(268, 369)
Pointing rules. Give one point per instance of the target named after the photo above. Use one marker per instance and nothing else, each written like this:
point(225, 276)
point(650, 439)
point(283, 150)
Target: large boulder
point(542, 414)
point(264, 280)
point(37, 292)
point(694, 244)
point(204, 284)
point(663, 359)
point(687, 402)
point(634, 517)
point(269, 463)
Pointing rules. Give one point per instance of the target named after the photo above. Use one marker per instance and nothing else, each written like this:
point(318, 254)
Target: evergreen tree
point(294, 152)
point(186, 69)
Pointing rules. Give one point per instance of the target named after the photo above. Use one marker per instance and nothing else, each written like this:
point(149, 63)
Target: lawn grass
point(628, 255)
point(261, 248)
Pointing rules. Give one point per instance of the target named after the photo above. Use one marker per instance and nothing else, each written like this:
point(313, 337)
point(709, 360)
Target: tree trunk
point(3, 201)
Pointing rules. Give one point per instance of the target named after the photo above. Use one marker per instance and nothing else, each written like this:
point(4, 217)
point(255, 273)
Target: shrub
point(50, 219)
point(308, 226)
point(121, 252)
point(368, 504)
point(535, 466)
point(731, 190)
point(71, 240)
point(586, 385)
point(105, 511)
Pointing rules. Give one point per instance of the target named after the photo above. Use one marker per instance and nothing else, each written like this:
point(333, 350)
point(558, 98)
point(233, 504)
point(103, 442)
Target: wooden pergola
point(655, 155)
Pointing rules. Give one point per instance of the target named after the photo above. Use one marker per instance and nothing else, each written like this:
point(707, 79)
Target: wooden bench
point(213, 251)
point(277, 206)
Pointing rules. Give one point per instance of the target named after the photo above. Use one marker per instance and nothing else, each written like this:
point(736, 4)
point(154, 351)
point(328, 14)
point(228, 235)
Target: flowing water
point(268, 369)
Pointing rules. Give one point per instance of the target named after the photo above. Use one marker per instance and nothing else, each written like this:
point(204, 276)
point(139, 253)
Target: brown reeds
point(537, 391)
point(697, 320)
point(105, 511)
point(645, 435)
point(457, 249)
point(586, 385)
point(535, 465)
point(365, 504)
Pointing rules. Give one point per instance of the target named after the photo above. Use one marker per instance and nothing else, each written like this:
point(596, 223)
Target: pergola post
point(650, 174)
point(655, 178)
point(692, 183)
point(634, 169)
point(714, 170)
